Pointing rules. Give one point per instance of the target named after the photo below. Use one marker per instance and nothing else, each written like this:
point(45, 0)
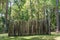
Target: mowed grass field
point(53, 36)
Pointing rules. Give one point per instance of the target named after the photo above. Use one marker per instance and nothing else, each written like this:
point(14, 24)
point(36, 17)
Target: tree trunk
point(6, 15)
point(57, 16)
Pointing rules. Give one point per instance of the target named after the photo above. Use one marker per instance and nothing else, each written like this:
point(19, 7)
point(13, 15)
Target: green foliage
point(27, 9)
point(53, 2)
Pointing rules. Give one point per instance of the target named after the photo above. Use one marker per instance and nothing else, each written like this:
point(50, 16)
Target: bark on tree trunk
point(6, 15)
point(57, 16)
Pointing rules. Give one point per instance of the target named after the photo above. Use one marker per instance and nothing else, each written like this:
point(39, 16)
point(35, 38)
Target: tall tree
point(57, 15)
point(6, 15)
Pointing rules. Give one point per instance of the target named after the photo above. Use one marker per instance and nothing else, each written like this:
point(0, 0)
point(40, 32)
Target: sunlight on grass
point(4, 34)
point(35, 37)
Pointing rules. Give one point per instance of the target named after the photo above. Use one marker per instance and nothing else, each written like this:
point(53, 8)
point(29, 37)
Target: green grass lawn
point(35, 37)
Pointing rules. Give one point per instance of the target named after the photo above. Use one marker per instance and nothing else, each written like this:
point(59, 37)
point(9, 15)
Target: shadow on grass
point(30, 37)
point(36, 38)
point(21, 38)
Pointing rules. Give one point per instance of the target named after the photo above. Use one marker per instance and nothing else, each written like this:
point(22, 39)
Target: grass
point(35, 37)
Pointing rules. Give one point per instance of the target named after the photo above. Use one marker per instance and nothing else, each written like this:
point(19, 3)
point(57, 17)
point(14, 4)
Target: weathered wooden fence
point(31, 27)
